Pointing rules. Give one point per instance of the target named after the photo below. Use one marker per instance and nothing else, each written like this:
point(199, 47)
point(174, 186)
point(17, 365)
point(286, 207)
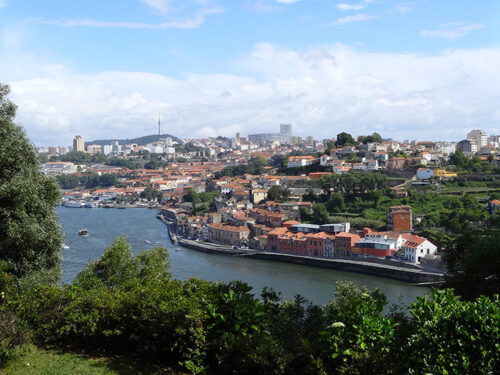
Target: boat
point(74, 204)
point(147, 241)
point(64, 246)
point(91, 205)
point(83, 232)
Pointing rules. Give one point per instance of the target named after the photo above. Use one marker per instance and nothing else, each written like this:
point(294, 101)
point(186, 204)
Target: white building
point(57, 168)
point(478, 136)
point(106, 149)
point(445, 147)
point(415, 248)
point(324, 160)
point(300, 161)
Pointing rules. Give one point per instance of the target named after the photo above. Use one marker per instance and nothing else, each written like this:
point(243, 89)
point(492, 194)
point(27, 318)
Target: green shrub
point(451, 336)
point(359, 338)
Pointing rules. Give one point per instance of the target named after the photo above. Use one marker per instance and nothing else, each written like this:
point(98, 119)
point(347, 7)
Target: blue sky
point(407, 69)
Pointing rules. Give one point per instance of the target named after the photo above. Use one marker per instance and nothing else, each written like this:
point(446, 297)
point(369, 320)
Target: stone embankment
point(401, 272)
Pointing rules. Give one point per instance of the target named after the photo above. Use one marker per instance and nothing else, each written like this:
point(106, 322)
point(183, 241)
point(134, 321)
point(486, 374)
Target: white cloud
point(188, 23)
point(322, 91)
point(350, 7)
point(2, 3)
point(452, 30)
point(356, 18)
point(402, 7)
point(287, 1)
point(358, 6)
point(162, 6)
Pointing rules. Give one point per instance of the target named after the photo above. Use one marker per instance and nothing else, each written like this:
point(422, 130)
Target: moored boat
point(83, 232)
point(74, 204)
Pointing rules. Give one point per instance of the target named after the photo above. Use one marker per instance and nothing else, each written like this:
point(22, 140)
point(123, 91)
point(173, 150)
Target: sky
point(416, 69)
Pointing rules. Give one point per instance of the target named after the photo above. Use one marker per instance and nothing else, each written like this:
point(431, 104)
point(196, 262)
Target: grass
point(47, 361)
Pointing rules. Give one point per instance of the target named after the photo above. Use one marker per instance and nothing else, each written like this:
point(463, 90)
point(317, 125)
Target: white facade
point(297, 161)
point(57, 168)
point(414, 251)
point(445, 147)
point(106, 149)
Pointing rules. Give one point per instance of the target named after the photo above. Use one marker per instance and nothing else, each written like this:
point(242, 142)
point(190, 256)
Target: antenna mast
point(159, 125)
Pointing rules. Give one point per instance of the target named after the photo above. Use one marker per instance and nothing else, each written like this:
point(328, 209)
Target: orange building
point(399, 219)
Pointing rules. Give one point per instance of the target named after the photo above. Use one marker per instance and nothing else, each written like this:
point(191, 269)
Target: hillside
point(140, 141)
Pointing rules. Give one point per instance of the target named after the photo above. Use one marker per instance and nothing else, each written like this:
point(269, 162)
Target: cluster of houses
point(258, 228)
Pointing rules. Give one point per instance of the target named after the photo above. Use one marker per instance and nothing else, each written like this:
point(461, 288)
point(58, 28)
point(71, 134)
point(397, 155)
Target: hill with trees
point(140, 141)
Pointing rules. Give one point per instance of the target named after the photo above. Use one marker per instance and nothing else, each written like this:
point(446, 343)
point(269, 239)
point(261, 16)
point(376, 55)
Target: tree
point(336, 203)
point(278, 194)
point(191, 196)
point(68, 181)
point(30, 237)
point(152, 194)
point(320, 214)
point(345, 139)
point(473, 261)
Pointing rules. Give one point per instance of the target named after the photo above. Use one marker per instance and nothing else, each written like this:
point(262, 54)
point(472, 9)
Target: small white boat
point(64, 246)
point(83, 232)
point(74, 204)
point(148, 241)
point(91, 205)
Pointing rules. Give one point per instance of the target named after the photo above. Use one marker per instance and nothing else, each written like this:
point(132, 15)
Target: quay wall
point(368, 268)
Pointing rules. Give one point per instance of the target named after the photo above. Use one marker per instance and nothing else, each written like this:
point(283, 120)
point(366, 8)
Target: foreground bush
point(125, 304)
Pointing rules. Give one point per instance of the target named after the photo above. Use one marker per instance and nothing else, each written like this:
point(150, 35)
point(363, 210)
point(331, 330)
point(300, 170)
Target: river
point(144, 231)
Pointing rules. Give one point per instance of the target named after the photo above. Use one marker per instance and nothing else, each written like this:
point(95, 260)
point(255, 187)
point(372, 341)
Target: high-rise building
point(286, 132)
point(283, 136)
point(310, 140)
point(399, 219)
point(78, 144)
point(478, 136)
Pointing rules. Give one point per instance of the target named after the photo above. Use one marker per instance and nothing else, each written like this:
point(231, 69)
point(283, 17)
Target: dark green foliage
point(450, 336)
point(336, 203)
point(77, 157)
point(124, 163)
point(278, 194)
point(140, 141)
point(68, 181)
point(191, 196)
point(345, 139)
point(152, 194)
point(12, 331)
point(320, 214)
point(473, 261)
point(374, 138)
point(30, 237)
point(474, 164)
point(255, 168)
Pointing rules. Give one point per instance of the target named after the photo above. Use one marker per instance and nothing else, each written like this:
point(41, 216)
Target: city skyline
point(407, 70)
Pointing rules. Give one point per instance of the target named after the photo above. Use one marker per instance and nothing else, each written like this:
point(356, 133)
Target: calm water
point(141, 225)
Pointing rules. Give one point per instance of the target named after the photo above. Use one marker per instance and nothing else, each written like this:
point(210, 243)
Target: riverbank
point(413, 276)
